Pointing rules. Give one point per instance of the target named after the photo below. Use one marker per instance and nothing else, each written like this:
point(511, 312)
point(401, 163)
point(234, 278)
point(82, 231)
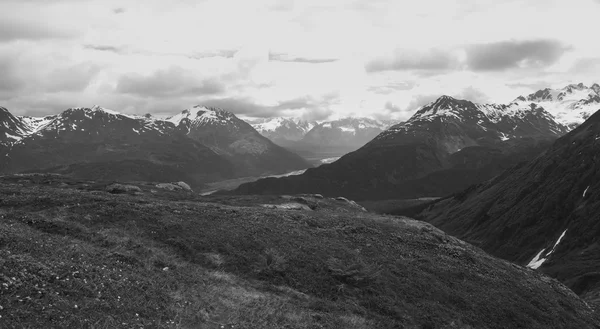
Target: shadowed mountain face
point(227, 135)
point(446, 146)
point(11, 128)
point(97, 143)
point(544, 213)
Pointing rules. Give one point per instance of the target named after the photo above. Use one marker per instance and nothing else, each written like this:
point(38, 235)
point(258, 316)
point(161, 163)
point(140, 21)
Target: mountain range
point(444, 147)
point(283, 130)
point(570, 105)
point(519, 181)
point(197, 145)
point(335, 138)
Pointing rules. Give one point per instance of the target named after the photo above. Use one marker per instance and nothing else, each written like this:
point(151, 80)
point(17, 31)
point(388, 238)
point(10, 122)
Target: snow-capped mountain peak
point(570, 105)
point(491, 121)
point(202, 114)
point(273, 124)
point(443, 106)
point(283, 129)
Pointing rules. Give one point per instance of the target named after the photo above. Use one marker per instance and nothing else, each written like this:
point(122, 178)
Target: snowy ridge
point(272, 124)
point(570, 105)
point(441, 107)
point(352, 125)
point(282, 129)
point(505, 119)
point(203, 115)
point(97, 117)
point(34, 124)
point(94, 118)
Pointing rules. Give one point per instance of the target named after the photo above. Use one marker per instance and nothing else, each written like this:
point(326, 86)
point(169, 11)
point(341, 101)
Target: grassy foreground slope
point(75, 256)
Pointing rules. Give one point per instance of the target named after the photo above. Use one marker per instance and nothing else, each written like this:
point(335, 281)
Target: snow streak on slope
point(537, 261)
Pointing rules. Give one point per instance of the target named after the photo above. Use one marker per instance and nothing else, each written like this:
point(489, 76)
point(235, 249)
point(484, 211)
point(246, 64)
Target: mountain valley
point(103, 191)
point(322, 140)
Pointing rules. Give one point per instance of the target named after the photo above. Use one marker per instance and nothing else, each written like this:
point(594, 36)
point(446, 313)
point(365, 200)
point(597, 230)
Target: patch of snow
point(327, 125)
point(105, 110)
point(199, 114)
point(293, 173)
point(584, 192)
point(348, 129)
point(35, 124)
point(537, 261)
point(270, 125)
point(329, 160)
point(16, 138)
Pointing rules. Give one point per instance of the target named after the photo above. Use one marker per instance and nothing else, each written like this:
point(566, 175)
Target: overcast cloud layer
point(315, 59)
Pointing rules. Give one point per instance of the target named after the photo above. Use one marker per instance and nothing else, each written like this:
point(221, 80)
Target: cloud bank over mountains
point(286, 58)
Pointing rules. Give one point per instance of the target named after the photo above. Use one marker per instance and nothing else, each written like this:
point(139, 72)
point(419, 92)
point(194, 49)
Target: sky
point(310, 59)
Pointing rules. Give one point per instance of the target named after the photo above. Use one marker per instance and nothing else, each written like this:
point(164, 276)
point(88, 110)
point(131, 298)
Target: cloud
point(107, 48)
point(243, 106)
point(586, 65)
point(505, 55)
point(226, 53)
point(22, 26)
point(23, 72)
point(73, 78)
point(404, 60)
point(119, 10)
point(173, 82)
point(392, 87)
point(122, 50)
point(420, 100)
point(533, 85)
point(306, 107)
point(472, 94)
point(9, 79)
point(286, 58)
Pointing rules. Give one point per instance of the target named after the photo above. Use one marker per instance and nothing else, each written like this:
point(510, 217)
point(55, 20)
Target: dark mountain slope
point(442, 142)
point(521, 214)
point(75, 256)
point(12, 128)
point(227, 135)
point(100, 144)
